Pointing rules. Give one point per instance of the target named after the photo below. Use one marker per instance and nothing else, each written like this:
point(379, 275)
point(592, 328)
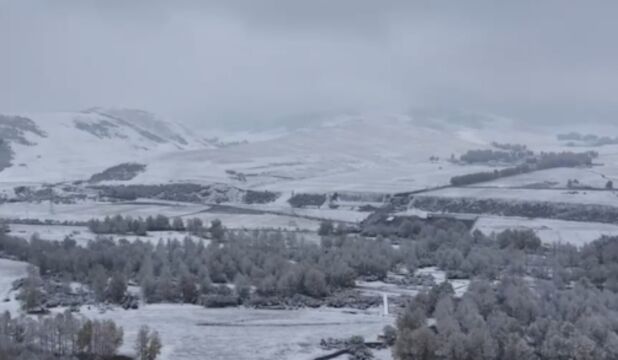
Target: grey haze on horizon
point(251, 61)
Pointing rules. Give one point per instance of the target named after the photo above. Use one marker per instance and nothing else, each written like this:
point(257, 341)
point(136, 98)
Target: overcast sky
point(207, 61)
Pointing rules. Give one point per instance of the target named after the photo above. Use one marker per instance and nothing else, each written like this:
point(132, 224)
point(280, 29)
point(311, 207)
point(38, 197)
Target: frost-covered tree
point(31, 295)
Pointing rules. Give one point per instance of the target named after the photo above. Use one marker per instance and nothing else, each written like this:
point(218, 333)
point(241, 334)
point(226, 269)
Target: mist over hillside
point(207, 63)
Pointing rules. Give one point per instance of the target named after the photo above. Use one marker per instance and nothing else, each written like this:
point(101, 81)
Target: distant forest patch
point(575, 138)
point(540, 162)
point(121, 172)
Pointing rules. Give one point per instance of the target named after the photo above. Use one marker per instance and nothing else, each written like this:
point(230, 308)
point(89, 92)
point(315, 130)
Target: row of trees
point(66, 336)
point(61, 335)
point(541, 162)
point(303, 200)
point(138, 226)
point(488, 156)
point(122, 225)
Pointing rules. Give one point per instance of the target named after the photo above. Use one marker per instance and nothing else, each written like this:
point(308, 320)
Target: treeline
point(186, 192)
point(522, 208)
point(262, 265)
point(259, 197)
point(139, 226)
point(304, 200)
point(273, 266)
point(510, 320)
point(121, 225)
point(62, 336)
point(541, 162)
point(488, 156)
point(121, 172)
point(588, 139)
point(511, 147)
point(485, 176)
point(175, 192)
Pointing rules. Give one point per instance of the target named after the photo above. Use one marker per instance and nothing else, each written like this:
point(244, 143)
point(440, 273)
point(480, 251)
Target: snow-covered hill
point(370, 153)
point(70, 146)
point(376, 153)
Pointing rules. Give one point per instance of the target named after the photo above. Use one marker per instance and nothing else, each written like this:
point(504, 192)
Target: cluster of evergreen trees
point(304, 200)
point(510, 320)
point(275, 264)
point(272, 263)
point(566, 309)
point(514, 253)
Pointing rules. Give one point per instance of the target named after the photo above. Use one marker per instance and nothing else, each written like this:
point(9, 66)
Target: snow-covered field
point(550, 231)
point(260, 221)
point(382, 154)
point(274, 215)
point(384, 179)
point(596, 176)
point(86, 210)
point(192, 332)
point(82, 235)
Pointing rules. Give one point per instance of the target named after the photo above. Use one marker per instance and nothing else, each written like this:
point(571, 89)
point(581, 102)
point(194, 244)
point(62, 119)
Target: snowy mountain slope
point(377, 153)
point(70, 146)
point(370, 153)
point(149, 126)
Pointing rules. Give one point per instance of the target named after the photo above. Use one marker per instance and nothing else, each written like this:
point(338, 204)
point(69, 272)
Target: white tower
point(385, 303)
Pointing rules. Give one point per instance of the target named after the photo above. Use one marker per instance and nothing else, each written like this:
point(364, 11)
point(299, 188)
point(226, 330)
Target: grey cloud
point(245, 60)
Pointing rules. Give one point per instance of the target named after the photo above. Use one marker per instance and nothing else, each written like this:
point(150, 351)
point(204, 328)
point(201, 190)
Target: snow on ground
point(597, 177)
point(551, 178)
point(260, 221)
point(192, 332)
point(86, 210)
point(284, 216)
point(609, 198)
point(65, 152)
point(82, 234)
point(378, 178)
point(10, 271)
point(376, 153)
point(324, 213)
point(550, 231)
